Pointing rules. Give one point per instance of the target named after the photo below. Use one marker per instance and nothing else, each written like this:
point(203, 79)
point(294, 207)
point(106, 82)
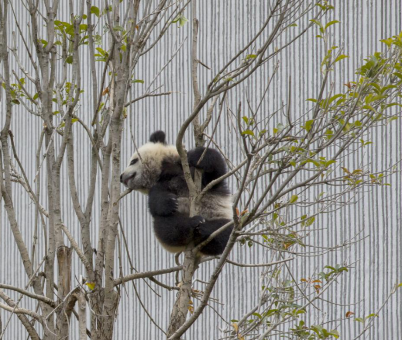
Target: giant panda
point(155, 169)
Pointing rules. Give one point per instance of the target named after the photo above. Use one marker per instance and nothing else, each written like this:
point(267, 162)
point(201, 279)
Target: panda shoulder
point(171, 165)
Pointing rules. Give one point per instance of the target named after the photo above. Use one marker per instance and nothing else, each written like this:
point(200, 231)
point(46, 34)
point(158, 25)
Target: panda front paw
point(197, 221)
point(170, 204)
point(163, 204)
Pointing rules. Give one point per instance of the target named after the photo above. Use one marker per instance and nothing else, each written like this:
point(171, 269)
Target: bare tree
point(282, 165)
point(53, 91)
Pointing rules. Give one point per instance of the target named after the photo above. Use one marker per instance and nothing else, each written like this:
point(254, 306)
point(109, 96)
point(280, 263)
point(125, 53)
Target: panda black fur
point(156, 169)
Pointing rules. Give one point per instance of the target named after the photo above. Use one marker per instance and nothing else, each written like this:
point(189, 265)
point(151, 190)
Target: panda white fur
point(155, 169)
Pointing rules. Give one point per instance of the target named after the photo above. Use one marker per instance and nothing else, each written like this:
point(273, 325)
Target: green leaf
point(331, 23)
point(293, 199)
point(308, 125)
point(387, 42)
point(312, 100)
point(369, 107)
point(95, 10)
point(334, 333)
point(327, 102)
point(318, 329)
point(70, 30)
point(138, 81)
point(327, 164)
point(325, 7)
point(329, 133)
point(310, 221)
point(359, 320)
point(318, 24)
point(101, 51)
point(248, 132)
point(316, 163)
point(340, 57)
point(69, 59)
point(397, 74)
point(279, 128)
point(181, 20)
point(251, 56)
point(388, 87)
point(107, 9)
point(118, 28)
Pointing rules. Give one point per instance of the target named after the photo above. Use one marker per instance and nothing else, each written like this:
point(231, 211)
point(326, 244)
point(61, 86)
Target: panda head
point(145, 165)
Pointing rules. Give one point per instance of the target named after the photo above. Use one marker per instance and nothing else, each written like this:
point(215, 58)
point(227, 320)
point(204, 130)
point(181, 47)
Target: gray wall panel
point(225, 26)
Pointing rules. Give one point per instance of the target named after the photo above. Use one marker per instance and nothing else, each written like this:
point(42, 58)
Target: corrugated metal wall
point(225, 26)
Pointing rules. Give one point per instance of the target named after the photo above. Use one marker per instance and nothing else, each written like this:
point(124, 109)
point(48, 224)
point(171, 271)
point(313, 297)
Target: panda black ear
point(158, 137)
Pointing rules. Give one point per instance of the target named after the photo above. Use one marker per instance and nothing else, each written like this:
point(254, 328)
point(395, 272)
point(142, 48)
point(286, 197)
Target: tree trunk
point(181, 306)
point(82, 305)
point(64, 267)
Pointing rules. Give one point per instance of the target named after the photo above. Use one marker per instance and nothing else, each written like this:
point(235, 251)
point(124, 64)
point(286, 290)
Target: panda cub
point(155, 169)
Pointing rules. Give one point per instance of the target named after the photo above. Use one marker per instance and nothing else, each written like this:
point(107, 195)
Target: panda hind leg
point(218, 243)
point(177, 230)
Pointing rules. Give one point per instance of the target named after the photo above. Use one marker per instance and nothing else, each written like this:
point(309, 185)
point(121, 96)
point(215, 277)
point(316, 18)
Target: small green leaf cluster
point(366, 100)
point(102, 55)
point(313, 332)
point(378, 179)
point(325, 5)
point(95, 10)
point(353, 178)
point(64, 95)
point(373, 66)
point(16, 91)
point(281, 296)
point(252, 129)
point(323, 28)
point(307, 221)
point(365, 319)
point(180, 20)
point(283, 241)
point(332, 271)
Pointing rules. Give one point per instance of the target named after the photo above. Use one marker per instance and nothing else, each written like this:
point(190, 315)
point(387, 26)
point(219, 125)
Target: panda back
point(213, 206)
point(216, 206)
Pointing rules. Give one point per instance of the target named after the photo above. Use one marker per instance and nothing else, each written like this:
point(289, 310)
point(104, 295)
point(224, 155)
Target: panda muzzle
point(124, 179)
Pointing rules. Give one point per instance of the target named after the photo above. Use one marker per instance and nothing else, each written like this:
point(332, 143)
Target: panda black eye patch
point(134, 161)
